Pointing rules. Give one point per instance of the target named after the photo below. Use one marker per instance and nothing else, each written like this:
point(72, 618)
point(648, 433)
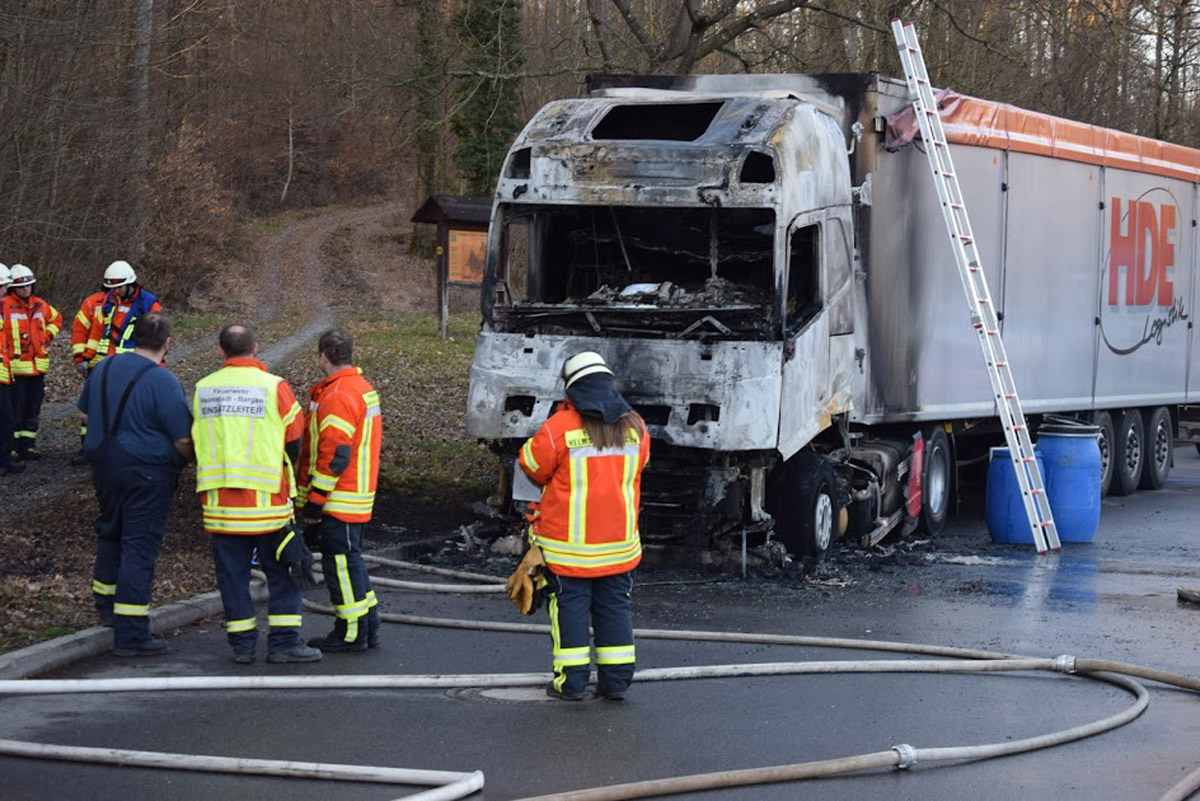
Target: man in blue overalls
point(138, 438)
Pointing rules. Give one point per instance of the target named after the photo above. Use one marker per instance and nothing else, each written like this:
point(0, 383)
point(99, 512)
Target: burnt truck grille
point(675, 509)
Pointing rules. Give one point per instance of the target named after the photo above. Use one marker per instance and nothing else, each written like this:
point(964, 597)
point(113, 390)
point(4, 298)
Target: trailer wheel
point(1159, 441)
point(802, 501)
point(1129, 452)
point(937, 480)
point(1104, 421)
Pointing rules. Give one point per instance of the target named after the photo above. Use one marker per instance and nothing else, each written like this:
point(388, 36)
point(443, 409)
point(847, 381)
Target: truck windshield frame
point(672, 272)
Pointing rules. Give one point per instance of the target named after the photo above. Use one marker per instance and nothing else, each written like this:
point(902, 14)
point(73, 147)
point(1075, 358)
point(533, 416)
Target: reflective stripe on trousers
point(604, 604)
point(350, 590)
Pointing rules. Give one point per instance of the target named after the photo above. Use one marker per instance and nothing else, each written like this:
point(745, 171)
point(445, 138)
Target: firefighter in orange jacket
point(339, 467)
point(32, 324)
point(589, 458)
point(7, 465)
point(105, 323)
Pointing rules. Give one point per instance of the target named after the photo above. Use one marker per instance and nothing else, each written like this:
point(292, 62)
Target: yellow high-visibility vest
point(238, 431)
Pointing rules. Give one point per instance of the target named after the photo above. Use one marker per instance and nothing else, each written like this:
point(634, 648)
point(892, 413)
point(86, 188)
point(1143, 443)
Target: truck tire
point(1104, 421)
point(937, 480)
point(1160, 439)
point(1129, 452)
point(802, 501)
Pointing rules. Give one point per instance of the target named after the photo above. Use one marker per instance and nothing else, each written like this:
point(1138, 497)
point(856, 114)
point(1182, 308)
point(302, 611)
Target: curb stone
point(62, 651)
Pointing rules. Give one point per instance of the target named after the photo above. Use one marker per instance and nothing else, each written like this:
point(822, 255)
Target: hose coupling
point(907, 754)
point(1065, 664)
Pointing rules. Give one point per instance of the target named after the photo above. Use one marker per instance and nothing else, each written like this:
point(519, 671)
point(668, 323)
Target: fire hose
point(452, 785)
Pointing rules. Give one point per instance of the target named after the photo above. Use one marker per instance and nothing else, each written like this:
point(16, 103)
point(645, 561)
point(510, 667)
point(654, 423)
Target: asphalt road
point(1114, 598)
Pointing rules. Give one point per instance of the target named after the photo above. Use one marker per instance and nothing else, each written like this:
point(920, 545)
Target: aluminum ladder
point(983, 313)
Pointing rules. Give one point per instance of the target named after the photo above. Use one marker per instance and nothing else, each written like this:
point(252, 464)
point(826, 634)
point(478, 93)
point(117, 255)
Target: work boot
point(243, 657)
point(612, 695)
point(297, 653)
point(151, 647)
point(562, 696)
point(331, 643)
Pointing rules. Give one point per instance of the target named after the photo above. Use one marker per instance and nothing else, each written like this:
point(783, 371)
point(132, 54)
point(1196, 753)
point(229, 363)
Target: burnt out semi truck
point(764, 261)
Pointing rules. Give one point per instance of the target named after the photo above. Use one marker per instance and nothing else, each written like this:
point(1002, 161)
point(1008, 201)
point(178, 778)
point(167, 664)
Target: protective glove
point(526, 586)
point(288, 549)
point(312, 536)
point(312, 511)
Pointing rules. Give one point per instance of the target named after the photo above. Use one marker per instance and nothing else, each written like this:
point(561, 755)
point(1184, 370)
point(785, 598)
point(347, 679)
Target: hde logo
point(1141, 299)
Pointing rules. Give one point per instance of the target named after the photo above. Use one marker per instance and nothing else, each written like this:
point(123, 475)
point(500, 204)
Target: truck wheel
point(802, 502)
point(937, 480)
point(1129, 452)
point(1159, 440)
point(1104, 421)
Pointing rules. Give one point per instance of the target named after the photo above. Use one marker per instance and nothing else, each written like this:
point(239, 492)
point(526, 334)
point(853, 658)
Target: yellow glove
point(520, 584)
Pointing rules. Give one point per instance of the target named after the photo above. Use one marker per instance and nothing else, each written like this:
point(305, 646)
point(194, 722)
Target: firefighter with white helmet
point(7, 465)
point(31, 324)
point(104, 324)
point(584, 541)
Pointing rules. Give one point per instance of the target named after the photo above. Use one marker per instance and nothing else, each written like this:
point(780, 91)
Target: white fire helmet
point(581, 364)
point(5, 277)
point(20, 275)
point(119, 273)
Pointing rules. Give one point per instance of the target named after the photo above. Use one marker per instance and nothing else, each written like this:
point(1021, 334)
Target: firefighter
point(7, 465)
point(125, 302)
point(139, 439)
point(247, 431)
point(32, 324)
point(588, 457)
point(84, 344)
point(339, 466)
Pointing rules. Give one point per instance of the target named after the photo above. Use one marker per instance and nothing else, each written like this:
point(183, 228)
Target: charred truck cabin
point(715, 238)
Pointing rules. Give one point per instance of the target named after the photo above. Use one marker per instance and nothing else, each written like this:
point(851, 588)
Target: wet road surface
point(1114, 599)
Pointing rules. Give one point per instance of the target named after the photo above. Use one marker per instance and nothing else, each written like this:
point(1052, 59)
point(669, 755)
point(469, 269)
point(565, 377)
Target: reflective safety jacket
point(339, 461)
point(85, 330)
point(31, 325)
point(242, 418)
point(588, 517)
point(113, 325)
point(5, 345)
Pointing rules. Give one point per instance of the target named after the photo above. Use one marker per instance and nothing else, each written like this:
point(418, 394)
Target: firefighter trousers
point(233, 554)
point(6, 424)
point(28, 392)
point(354, 605)
point(604, 604)
point(134, 502)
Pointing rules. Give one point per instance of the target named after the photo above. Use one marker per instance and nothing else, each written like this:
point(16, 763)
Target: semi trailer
point(763, 261)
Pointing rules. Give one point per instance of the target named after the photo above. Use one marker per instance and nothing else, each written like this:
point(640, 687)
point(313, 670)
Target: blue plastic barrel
point(1071, 453)
point(1003, 507)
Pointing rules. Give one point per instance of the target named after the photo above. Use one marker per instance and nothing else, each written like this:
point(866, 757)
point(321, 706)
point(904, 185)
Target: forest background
point(150, 130)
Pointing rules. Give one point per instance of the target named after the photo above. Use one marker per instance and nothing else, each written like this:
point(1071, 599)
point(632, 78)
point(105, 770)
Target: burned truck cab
point(698, 236)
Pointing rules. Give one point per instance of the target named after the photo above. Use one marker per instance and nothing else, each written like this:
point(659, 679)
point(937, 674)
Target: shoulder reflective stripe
point(527, 454)
point(338, 423)
point(284, 620)
point(100, 588)
point(371, 398)
point(245, 624)
point(131, 610)
point(615, 655)
point(590, 451)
